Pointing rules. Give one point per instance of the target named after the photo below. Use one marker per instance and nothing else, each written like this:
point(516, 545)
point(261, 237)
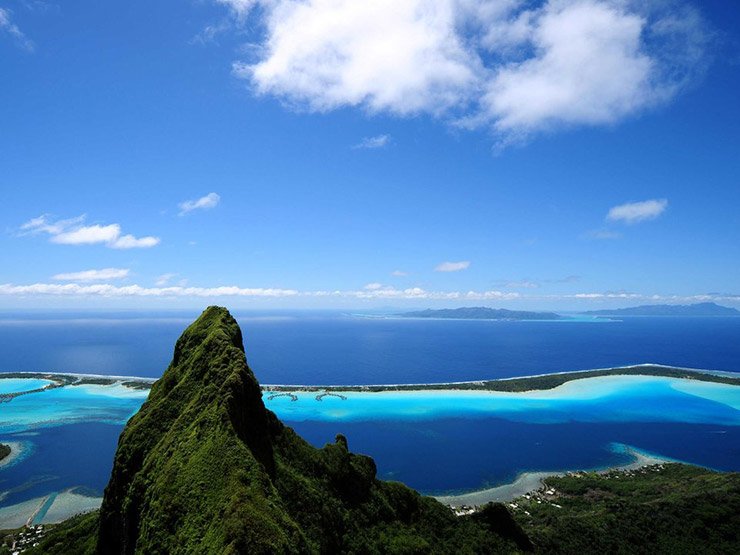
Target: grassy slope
point(675, 510)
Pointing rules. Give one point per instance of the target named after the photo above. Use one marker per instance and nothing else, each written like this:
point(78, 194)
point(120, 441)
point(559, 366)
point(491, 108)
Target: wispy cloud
point(72, 232)
point(382, 293)
point(373, 286)
point(525, 284)
point(93, 275)
point(373, 142)
point(634, 212)
point(399, 273)
point(11, 29)
point(203, 203)
point(513, 66)
point(452, 266)
point(164, 279)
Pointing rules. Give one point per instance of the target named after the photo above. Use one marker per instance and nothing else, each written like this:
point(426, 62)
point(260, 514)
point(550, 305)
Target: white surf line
point(78, 375)
point(16, 450)
point(722, 373)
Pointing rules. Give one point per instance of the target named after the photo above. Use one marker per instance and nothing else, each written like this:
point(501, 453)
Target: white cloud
point(163, 279)
point(634, 212)
point(203, 203)
point(131, 242)
point(88, 235)
point(373, 286)
point(93, 275)
point(373, 142)
point(399, 273)
point(7, 26)
point(72, 232)
point(384, 293)
point(514, 66)
point(107, 290)
point(452, 266)
point(403, 57)
point(43, 225)
point(589, 67)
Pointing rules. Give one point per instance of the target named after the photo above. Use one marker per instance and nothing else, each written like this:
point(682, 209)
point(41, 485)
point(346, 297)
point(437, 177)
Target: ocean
point(437, 444)
point(334, 348)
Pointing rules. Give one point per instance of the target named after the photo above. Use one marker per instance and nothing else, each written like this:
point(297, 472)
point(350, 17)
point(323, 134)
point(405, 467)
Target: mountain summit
point(203, 467)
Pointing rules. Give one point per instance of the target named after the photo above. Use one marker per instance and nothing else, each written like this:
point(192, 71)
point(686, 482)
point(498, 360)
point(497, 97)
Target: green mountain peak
point(203, 467)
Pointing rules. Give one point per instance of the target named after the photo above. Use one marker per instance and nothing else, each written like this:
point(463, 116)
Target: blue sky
point(565, 154)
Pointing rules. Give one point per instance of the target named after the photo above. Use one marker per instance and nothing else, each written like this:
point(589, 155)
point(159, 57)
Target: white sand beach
point(65, 505)
point(17, 449)
point(527, 482)
point(68, 504)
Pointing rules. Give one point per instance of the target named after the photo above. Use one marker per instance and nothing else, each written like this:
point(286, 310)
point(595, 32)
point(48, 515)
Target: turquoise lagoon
point(600, 399)
point(436, 441)
point(13, 385)
point(63, 441)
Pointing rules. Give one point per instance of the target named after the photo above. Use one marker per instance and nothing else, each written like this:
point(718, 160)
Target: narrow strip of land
point(527, 383)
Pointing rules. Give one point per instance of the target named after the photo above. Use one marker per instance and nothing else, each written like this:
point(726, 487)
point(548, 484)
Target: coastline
point(644, 369)
point(47, 509)
point(16, 453)
point(511, 383)
point(527, 482)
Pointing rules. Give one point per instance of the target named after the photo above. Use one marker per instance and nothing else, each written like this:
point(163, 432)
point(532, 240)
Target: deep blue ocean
point(438, 455)
point(331, 348)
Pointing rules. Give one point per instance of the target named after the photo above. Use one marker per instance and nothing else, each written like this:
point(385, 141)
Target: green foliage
point(75, 536)
point(678, 509)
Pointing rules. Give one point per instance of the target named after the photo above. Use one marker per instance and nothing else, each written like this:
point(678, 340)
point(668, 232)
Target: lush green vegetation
point(672, 509)
point(4, 451)
point(481, 313)
point(75, 536)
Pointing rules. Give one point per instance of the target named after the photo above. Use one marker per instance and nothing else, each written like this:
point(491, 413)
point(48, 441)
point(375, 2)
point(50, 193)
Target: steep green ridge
point(481, 313)
point(203, 467)
point(4, 451)
point(673, 510)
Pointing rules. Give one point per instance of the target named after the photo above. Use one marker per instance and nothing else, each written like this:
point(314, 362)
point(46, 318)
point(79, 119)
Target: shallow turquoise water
point(12, 385)
point(436, 441)
point(68, 405)
point(602, 399)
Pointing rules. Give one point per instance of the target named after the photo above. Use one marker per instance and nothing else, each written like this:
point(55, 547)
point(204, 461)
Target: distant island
point(697, 309)
point(481, 313)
